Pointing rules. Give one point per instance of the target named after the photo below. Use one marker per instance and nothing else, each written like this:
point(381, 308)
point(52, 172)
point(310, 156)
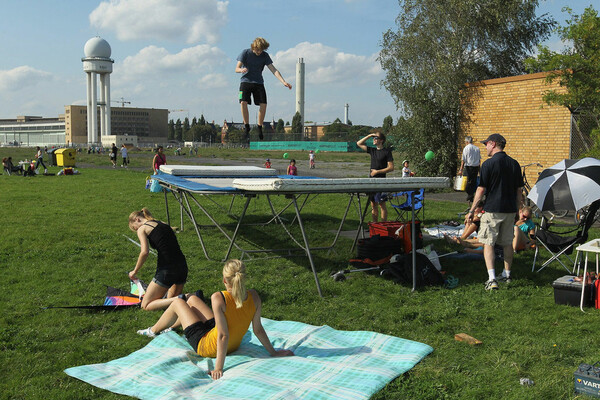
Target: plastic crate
point(387, 228)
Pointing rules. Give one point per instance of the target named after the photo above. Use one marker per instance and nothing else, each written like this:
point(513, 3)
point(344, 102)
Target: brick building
point(513, 107)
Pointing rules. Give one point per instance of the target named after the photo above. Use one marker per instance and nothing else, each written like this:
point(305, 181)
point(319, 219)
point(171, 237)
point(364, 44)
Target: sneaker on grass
point(505, 279)
point(146, 332)
point(491, 285)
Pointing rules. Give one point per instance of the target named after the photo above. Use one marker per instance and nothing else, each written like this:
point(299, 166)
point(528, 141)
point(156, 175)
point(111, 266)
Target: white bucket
point(460, 183)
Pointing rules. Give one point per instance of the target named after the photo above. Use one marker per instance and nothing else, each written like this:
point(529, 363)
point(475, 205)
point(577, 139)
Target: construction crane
point(122, 101)
point(188, 112)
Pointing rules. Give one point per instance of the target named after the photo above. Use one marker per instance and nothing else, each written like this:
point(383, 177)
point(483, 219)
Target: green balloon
point(429, 155)
point(285, 155)
point(317, 151)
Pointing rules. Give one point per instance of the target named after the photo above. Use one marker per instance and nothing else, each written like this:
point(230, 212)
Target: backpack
point(401, 271)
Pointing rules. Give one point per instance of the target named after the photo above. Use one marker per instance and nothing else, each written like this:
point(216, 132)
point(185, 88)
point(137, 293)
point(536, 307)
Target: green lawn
point(62, 243)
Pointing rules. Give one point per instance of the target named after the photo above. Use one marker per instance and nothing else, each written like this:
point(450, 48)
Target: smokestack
point(346, 106)
point(300, 88)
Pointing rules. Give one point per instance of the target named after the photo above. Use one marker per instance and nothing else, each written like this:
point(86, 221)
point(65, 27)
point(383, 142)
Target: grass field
point(62, 243)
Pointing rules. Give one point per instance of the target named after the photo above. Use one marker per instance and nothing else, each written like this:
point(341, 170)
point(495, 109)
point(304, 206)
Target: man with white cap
point(501, 182)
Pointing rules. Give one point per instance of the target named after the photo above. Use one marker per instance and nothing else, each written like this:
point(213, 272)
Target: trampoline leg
point(306, 248)
point(237, 228)
point(413, 236)
point(191, 215)
point(167, 207)
point(362, 221)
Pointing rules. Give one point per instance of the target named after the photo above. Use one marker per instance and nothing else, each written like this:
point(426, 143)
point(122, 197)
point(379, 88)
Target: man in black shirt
point(502, 183)
point(382, 162)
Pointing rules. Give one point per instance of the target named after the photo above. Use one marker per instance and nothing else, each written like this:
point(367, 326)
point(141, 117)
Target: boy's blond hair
point(259, 44)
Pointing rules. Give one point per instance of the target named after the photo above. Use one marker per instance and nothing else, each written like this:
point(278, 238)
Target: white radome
point(97, 47)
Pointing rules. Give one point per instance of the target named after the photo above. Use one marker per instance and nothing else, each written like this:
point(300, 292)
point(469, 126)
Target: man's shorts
point(167, 278)
point(256, 90)
point(497, 228)
point(196, 331)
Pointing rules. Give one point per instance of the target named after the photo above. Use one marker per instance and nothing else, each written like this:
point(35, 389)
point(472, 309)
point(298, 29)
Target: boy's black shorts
point(256, 90)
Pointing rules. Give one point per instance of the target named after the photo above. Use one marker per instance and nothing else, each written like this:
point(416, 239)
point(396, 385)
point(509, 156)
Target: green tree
point(439, 46)
point(178, 131)
point(202, 120)
point(388, 124)
point(186, 127)
point(297, 123)
point(194, 122)
point(171, 130)
point(279, 128)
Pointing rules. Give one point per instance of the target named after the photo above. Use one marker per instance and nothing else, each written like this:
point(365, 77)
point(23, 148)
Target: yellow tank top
point(238, 321)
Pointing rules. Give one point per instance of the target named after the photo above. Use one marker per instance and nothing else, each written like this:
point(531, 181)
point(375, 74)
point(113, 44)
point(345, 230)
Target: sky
point(181, 55)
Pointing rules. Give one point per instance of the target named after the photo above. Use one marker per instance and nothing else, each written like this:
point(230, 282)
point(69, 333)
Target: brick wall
point(513, 107)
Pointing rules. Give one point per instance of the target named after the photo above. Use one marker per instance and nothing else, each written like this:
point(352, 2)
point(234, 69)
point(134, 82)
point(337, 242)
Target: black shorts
point(197, 331)
point(256, 90)
point(167, 277)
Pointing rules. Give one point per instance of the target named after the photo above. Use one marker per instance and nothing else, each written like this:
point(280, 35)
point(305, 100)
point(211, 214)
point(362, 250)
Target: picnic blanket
point(327, 364)
point(439, 231)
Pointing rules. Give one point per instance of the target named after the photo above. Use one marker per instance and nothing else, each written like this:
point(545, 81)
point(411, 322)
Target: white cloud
point(159, 63)
point(191, 20)
point(212, 81)
point(22, 77)
point(326, 64)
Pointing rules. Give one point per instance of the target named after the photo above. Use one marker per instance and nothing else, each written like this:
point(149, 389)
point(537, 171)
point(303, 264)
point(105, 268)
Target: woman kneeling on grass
point(171, 267)
point(218, 332)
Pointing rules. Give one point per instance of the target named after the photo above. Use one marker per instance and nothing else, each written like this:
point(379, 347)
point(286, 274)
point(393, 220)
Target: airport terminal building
point(149, 125)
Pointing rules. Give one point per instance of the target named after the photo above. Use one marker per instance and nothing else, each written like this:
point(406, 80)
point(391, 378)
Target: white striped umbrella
point(568, 185)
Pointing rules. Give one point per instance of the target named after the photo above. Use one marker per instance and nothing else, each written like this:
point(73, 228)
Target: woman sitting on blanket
point(471, 227)
point(171, 266)
point(524, 229)
point(218, 332)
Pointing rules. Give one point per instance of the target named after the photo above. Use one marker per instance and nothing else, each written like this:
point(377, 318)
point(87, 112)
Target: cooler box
point(398, 230)
point(65, 157)
point(567, 291)
point(460, 183)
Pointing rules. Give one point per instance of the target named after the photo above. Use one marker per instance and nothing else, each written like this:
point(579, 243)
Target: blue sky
point(181, 54)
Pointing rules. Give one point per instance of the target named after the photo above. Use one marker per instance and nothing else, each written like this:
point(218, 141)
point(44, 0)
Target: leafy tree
point(186, 126)
point(171, 130)
point(297, 123)
point(577, 67)
point(178, 131)
point(194, 122)
point(439, 46)
point(279, 128)
point(388, 124)
point(202, 120)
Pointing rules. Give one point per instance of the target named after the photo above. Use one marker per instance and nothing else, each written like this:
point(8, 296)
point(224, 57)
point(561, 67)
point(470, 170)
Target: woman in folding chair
point(218, 332)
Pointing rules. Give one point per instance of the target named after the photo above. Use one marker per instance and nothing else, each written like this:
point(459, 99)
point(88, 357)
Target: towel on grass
point(440, 230)
point(327, 364)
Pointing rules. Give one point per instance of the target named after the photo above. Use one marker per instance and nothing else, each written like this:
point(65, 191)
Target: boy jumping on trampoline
point(250, 63)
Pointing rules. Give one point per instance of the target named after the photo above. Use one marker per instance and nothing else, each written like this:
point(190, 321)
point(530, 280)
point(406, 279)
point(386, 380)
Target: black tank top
point(163, 239)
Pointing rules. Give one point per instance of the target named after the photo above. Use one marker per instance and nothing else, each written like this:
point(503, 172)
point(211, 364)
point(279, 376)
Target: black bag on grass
point(376, 250)
point(401, 271)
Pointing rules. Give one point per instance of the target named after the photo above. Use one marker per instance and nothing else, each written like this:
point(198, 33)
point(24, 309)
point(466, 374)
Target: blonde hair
point(143, 213)
point(259, 44)
point(527, 211)
point(234, 272)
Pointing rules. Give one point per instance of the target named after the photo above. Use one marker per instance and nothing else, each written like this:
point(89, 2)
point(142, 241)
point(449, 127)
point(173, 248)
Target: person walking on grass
point(39, 155)
point(382, 162)
point(250, 63)
point(171, 266)
point(501, 182)
point(219, 331)
point(113, 155)
point(469, 166)
point(124, 155)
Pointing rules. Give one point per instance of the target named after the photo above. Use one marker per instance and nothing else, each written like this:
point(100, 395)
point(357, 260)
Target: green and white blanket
point(327, 364)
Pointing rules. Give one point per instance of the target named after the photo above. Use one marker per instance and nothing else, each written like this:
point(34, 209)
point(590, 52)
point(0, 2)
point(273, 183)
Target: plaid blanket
point(328, 364)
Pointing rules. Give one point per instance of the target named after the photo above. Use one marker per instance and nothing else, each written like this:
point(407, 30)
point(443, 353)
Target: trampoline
point(199, 185)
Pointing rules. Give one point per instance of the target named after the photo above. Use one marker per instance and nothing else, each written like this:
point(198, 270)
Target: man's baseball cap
point(495, 137)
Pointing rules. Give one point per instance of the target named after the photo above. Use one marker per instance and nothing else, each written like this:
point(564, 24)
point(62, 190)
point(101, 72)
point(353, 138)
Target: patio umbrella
point(568, 185)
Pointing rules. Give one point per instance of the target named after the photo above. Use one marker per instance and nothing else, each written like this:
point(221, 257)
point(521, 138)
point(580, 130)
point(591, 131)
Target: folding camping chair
point(403, 210)
point(563, 243)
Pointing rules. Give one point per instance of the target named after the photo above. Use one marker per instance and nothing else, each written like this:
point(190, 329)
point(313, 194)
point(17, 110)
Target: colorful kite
point(117, 299)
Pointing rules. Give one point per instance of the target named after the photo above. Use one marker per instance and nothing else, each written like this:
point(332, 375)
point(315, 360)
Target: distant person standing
point(40, 159)
point(113, 155)
point(268, 163)
point(311, 159)
point(406, 172)
point(501, 182)
point(159, 159)
point(292, 169)
point(250, 63)
point(124, 155)
point(469, 166)
point(382, 162)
